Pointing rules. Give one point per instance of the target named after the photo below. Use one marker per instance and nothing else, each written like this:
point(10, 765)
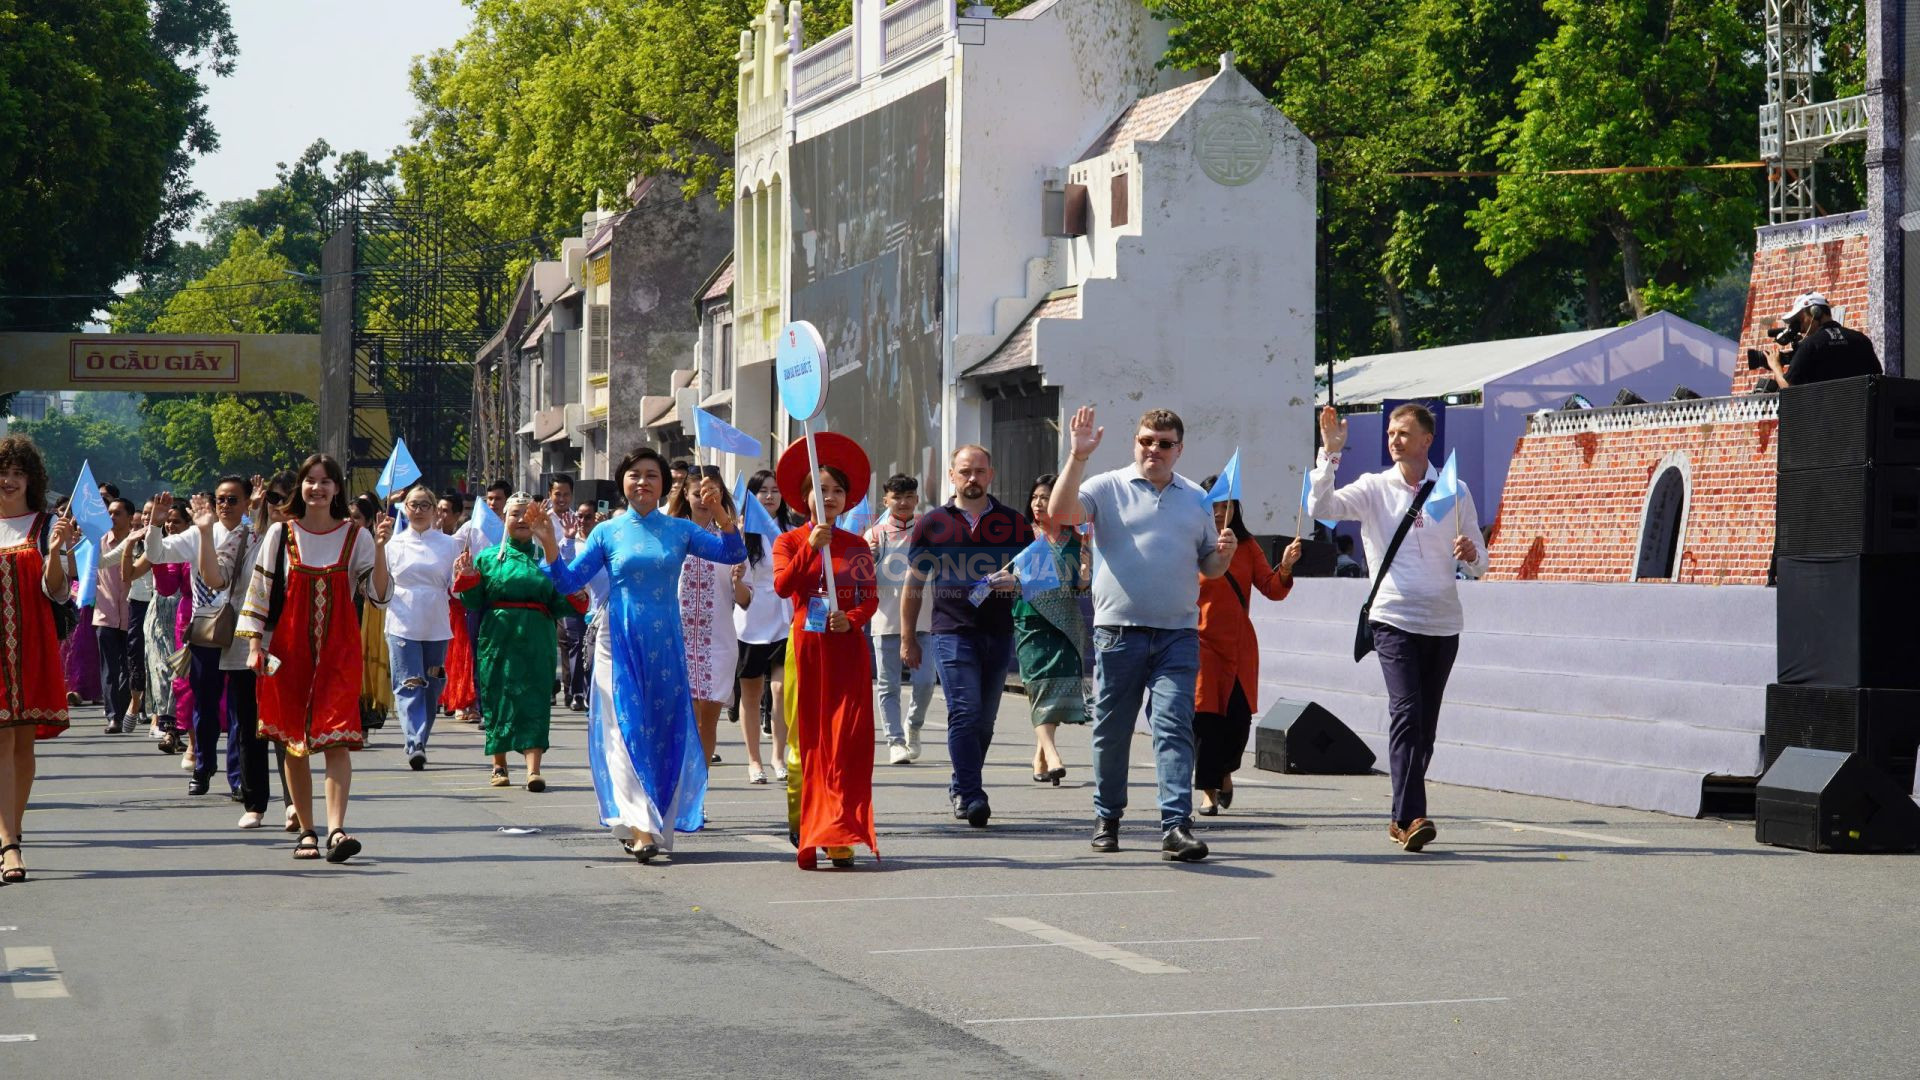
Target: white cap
point(1802, 302)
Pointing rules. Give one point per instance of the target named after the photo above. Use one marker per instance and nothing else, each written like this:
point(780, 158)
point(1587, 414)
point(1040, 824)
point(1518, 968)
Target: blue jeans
point(973, 673)
point(889, 673)
point(416, 693)
point(1131, 663)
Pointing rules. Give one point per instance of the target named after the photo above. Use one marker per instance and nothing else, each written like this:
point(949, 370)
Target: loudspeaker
point(1302, 737)
point(1849, 510)
point(1824, 800)
point(1844, 620)
point(1850, 422)
point(1883, 726)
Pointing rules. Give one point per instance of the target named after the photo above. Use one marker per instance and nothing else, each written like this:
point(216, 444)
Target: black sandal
point(304, 850)
point(16, 875)
point(345, 849)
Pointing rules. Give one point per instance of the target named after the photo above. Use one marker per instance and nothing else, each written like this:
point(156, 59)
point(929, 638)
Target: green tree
point(1633, 82)
point(100, 119)
point(67, 441)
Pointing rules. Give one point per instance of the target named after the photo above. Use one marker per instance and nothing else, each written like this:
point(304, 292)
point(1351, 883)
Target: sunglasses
point(275, 498)
point(226, 500)
point(1148, 442)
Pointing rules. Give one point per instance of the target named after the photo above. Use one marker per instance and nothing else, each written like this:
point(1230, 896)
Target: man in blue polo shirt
point(1152, 529)
point(963, 549)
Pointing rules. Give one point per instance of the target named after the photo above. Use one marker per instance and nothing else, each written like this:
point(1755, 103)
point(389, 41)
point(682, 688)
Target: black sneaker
point(959, 807)
point(1179, 845)
point(978, 813)
point(1106, 834)
point(416, 761)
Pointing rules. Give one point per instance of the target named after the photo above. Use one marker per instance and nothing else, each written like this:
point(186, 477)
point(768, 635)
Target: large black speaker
point(1882, 726)
point(1845, 620)
point(1850, 422)
point(1825, 800)
point(1302, 737)
point(1849, 510)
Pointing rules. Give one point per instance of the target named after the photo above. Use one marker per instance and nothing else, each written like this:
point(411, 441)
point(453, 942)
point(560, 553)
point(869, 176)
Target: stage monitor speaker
point(1882, 726)
point(1849, 510)
point(1844, 620)
point(1302, 737)
point(1825, 800)
point(1850, 422)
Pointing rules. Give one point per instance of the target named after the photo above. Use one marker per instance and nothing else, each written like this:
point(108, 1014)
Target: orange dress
point(33, 680)
point(313, 701)
point(460, 690)
point(830, 692)
point(1229, 651)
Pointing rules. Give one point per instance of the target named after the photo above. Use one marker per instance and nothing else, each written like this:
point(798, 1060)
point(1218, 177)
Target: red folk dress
point(1229, 651)
point(460, 693)
point(313, 701)
point(33, 680)
point(830, 692)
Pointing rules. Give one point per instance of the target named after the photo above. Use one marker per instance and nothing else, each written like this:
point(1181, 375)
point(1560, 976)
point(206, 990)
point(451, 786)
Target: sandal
point(499, 777)
point(16, 875)
point(303, 849)
point(346, 847)
point(293, 820)
point(756, 774)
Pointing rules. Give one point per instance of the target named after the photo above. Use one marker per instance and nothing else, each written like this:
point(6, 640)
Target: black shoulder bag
point(1363, 637)
point(65, 615)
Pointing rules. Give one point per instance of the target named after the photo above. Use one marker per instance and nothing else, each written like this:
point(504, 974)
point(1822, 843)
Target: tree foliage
point(100, 118)
point(68, 440)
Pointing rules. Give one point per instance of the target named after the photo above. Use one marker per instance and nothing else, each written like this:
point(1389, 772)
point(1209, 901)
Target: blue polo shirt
point(953, 555)
point(1148, 546)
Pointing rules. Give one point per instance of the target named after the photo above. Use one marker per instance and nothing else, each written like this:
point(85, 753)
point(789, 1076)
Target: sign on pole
point(799, 361)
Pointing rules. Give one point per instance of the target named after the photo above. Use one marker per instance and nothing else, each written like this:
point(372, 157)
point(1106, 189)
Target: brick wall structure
point(1579, 488)
point(1826, 255)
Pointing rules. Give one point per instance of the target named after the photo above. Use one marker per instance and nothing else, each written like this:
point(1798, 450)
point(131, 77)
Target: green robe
point(514, 657)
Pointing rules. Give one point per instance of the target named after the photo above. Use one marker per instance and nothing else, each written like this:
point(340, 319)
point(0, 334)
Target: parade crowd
point(286, 612)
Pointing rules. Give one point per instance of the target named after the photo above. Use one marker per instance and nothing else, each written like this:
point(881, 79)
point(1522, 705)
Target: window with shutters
point(597, 339)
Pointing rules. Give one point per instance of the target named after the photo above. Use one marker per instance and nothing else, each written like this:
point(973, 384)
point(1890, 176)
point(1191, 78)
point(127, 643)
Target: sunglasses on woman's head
point(275, 498)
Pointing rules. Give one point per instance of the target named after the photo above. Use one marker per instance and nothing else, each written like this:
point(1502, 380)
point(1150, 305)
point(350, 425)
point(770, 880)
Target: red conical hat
point(834, 449)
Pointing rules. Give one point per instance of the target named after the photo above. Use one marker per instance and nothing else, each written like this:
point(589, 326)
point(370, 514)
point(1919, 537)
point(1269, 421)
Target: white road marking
point(1055, 945)
point(1575, 833)
point(33, 973)
point(972, 896)
point(1085, 946)
point(771, 841)
point(18, 1038)
point(1225, 1012)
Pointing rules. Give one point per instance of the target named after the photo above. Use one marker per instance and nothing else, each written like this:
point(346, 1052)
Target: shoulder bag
point(1363, 637)
point(214, 629)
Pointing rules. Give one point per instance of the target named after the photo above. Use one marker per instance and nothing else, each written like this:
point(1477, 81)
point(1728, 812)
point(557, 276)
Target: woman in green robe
point(514, 654)
point(1050, 639)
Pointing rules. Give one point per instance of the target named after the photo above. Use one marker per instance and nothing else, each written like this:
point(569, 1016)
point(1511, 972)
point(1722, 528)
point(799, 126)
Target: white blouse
point(421, 566)
point(18, 532)
point(768, 618)
point(316, 550)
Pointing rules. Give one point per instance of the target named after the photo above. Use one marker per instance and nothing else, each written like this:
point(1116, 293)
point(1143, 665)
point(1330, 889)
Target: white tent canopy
point(1450, 369)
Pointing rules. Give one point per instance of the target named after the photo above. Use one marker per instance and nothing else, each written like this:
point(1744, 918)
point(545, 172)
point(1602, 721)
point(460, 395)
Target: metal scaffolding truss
point(1794, 129)
point(429, 289)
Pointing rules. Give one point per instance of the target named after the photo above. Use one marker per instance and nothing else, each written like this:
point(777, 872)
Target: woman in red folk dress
point(33, 683)
point(306, 647)
point(829, 664)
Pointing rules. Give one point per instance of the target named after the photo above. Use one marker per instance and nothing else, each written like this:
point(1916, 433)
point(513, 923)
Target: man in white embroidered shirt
point(1416, 617)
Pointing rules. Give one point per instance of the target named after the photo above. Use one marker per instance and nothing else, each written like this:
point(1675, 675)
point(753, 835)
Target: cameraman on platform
point(1822, 348)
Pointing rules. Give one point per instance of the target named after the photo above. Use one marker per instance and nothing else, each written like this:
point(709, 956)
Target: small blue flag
point(88, 509)
point(1306, 499)
point(1038, 569)
point(1446, 489)
point(856, 519)
point(85, 560)
point(491, 527)
point(753, 517)
point(712, 433)
point(1227, 486)
point(400, 473)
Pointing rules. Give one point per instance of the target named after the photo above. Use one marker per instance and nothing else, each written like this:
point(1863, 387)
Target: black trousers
point(210, 687)
point(115, 680)
point(573, 657)
point(1220, 740)
point(1416, 667)
point(137, 647)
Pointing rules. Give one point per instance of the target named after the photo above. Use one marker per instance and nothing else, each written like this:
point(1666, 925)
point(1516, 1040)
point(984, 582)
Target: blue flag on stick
point(400, 473)
point(753, 517)
point(1227, 486)
point(1306, 499)
point(86, 558)
point(89, 511)
point(712, 433)
point(491, 527)
point(1039, 571)
point(1446, 489)
point(856, 519)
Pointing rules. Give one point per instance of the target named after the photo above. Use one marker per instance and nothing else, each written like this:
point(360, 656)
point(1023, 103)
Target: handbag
point(1363, 637)
point(214, 629)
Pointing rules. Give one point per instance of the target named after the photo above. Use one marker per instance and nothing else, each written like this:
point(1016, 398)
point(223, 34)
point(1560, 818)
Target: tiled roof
point(1017, 351)
point(722, 282)
point(1147, 119)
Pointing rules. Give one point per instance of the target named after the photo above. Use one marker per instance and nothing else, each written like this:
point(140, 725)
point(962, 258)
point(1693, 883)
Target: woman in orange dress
point(33, 683)
point(829, 663)
point(1226, 694)
point(305, 644)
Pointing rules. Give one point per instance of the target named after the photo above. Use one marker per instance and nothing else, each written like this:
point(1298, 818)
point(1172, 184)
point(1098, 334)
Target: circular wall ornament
point(1232, 149)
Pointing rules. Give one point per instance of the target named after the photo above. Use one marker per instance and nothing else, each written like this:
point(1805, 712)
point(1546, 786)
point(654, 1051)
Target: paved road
point(1536, 939)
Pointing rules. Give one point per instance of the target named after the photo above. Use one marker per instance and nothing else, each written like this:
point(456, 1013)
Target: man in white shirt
point(110, 626)
point(1416, 617)
point(570, 672)
point(891, 541)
